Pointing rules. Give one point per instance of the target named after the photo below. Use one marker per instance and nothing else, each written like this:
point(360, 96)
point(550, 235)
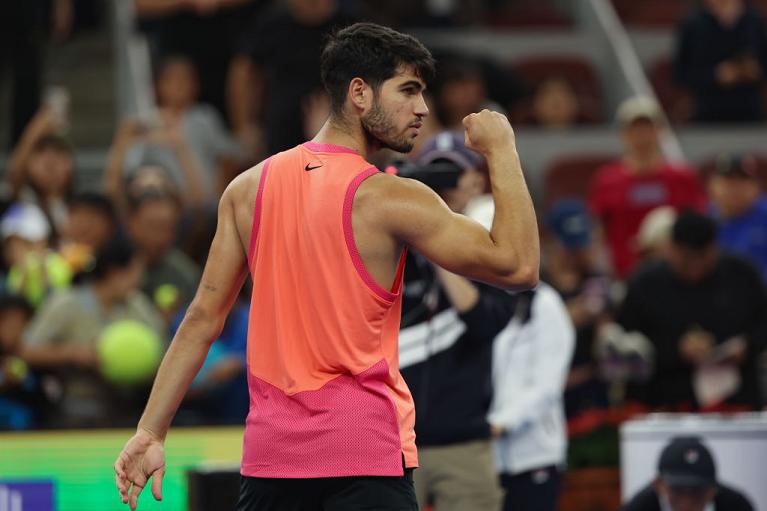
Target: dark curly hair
point(371, 52)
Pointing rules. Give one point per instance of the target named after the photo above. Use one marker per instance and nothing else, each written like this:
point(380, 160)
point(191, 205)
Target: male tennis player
point(322, 233)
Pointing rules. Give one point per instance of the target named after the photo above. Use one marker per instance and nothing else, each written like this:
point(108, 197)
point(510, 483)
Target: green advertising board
point(78, 464)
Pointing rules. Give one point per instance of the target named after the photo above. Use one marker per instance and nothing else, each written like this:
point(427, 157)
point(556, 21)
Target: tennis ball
point(166, 297)
point(129, 352)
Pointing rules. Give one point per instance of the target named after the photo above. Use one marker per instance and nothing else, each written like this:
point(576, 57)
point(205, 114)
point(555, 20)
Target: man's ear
point(360, 94)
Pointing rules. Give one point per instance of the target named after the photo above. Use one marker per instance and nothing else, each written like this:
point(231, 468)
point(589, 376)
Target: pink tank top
point(326, 395)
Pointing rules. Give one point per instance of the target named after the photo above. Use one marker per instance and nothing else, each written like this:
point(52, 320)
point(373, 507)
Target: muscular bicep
point(420, 218)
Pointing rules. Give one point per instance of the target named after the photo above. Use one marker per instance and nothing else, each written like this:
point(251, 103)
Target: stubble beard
point(380, 130)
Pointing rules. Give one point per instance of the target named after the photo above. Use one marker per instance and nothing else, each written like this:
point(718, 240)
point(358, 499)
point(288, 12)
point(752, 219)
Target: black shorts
point(371, 493)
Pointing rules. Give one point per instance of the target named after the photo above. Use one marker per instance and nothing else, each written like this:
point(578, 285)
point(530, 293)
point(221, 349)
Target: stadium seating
point(570, 176)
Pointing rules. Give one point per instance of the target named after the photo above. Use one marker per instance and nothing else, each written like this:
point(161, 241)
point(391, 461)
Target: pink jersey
point(326, 395)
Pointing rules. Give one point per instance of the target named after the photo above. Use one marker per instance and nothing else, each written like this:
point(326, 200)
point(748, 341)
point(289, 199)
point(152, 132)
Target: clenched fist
point(488, 131)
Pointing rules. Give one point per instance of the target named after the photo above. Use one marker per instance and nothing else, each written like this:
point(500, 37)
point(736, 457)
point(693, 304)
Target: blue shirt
point(747, 235)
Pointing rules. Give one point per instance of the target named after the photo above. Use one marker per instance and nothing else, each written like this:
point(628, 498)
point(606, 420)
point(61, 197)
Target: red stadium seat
point(707, 168)
point(576, 70)
point(676, 101)
point(652, 13)
point(570, 176)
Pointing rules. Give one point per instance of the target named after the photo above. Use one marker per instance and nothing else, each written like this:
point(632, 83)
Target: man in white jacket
point(531, 358)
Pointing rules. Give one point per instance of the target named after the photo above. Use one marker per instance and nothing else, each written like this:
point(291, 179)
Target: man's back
point(322, 357)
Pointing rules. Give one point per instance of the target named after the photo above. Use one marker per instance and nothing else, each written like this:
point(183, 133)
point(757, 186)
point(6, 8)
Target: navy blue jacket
point(446, 357)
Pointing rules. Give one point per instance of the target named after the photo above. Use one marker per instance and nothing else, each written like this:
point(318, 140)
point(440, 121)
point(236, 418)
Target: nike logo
point(309, 166)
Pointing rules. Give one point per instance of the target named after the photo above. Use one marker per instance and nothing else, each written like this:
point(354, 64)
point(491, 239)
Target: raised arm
point(509, 254)
point(142, 457)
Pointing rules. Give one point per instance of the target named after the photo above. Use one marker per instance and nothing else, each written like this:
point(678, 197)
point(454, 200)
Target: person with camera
point(446, 343)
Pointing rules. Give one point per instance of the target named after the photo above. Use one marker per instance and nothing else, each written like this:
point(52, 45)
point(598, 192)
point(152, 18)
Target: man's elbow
point(522, 278)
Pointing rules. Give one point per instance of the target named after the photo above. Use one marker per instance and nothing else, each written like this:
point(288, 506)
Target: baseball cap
point(735, 165)
point(26, 221)
point(449, 145)
point(570, 222)
point(638, 107)
point(686, 462)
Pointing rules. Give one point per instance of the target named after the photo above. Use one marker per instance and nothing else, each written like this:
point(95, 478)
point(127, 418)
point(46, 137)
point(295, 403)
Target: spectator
point(206, 31)
point(574, 269)
point(740, 207)
point(41, 169)
point(448, 326)
point(530, 362)
point(555, 105)
point(625, 191)
point(142, 170)
point(34, 270)
point(721, 56)
point(17, 384)
point(462, 90)
point(92, 223)
point(280, 60)
point(686, 481)
point(201, 126)
point(152, 225)
point(704, 313)
point(63, 335)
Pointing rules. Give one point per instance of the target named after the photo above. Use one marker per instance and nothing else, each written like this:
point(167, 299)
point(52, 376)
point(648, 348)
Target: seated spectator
point(625, 191)
point(17, 384)
point(531, 358)
point(92, 223)
point(740, 207)
point(34, 269)
point(41, 169)
point(152, 226)
point(462, 90)
point(686, 481)
point(201, 126)
point(555, 105)
point(703, 311)
point(63, 336)
point(121, 174)
point(572, 266)
point(276, 69)
point(721, 56)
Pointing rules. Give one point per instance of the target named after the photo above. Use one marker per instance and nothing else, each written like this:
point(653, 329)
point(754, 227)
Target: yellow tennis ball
point(129, 352)
point(166, 296)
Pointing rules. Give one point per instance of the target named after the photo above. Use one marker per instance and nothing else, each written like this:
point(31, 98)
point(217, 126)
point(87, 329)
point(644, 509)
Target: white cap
point(656, 227)
point(26, 221)
point(638, 107)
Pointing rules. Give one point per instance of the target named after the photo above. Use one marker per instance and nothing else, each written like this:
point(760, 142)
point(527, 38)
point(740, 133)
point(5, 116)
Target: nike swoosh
point(309, 167)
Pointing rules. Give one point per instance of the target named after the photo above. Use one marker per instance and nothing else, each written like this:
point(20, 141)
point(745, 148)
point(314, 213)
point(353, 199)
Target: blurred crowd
point(655, 295)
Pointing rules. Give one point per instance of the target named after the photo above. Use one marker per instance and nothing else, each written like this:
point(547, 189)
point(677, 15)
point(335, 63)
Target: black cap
point(686, 462)
point(736, 166)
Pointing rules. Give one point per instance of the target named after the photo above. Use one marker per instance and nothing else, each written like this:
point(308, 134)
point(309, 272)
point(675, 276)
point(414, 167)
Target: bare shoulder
point(403, 207)
point(239, 199)
point(390, 194)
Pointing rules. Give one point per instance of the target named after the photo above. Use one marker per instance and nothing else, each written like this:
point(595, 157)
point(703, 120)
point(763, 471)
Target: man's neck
point(338, 131)
point(641, 164)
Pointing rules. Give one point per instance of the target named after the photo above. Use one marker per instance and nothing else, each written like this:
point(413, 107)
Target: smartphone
point(57, 99)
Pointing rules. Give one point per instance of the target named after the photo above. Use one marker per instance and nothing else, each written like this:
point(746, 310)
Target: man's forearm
point(515, 227)
point(180, 365)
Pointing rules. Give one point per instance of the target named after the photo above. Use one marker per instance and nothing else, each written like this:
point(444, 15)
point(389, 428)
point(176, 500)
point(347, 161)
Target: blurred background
point(641, 128)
